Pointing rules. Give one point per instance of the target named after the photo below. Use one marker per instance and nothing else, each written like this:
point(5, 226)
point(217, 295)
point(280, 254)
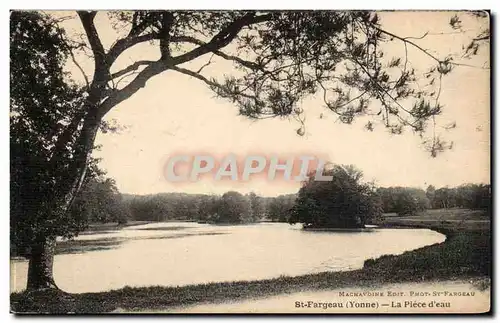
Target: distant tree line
point(346, 201)
point(403, 200)
point(231, 207)
point(410, 201)
point(470, 196)
point(99, 202)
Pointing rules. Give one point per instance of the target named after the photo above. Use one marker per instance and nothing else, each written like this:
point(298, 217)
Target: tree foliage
point(170, 206)
point(344, 202)
point(233, 208)
point(43, 104)
point(471, 196)
point(412, 201)
point(209, 208)
point(257, 206)
point(403, 200)
point(100, 201)
point(45, 114)
point(280, 58)
point(280, 207)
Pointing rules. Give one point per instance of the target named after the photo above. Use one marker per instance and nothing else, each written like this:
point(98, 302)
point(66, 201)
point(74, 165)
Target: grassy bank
point(466, 253)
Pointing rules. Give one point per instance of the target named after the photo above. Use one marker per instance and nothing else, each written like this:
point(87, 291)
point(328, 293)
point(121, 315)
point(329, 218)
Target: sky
point(176, 114)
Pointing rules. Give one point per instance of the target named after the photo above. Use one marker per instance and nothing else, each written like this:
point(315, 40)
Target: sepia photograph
point(250, 162)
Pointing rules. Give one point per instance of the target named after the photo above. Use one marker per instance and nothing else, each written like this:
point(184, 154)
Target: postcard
point(245, 161)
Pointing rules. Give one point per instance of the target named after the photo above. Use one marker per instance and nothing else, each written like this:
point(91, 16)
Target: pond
point(184, 253)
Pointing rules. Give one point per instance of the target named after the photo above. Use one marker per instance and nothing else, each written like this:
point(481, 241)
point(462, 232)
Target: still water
point(183, 253)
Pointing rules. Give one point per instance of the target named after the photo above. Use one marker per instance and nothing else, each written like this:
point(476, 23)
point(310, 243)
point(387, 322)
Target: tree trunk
point(41, 260)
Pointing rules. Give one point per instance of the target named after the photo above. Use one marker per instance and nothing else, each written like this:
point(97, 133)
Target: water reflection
point(81, 246)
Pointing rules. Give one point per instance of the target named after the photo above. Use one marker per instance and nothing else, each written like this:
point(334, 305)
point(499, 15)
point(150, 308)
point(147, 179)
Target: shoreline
point(464, 255)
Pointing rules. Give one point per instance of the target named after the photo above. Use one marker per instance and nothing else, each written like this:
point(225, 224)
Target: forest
point(100, 202)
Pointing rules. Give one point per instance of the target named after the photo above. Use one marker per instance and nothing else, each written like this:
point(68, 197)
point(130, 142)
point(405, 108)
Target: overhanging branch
point(125, 43)
point(195, 75)
point(130, 68)
point(223, 38)
point(192, 40)
point(152, 69)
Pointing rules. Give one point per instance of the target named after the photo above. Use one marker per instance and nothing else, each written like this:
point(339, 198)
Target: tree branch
point(205, 65)
point(167, 20)
point(87, 83)
point(192, 40)
point(405, 39)
point(137, 28)
point(426, 52)
point(137, 83)
point(379, 87)
point(195, 75)
point(87, 19)
point(223, 38)
point(131, 68)
point(125, 43)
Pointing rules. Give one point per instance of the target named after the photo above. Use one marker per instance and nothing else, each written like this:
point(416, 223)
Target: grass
point(466, 254)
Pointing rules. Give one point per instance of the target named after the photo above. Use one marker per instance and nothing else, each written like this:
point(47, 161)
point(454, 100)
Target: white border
point(256, 4)
point(191, 4)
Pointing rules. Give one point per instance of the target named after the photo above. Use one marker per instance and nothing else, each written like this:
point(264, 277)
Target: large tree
point(42, 106)
point(344, 202)
point(279, 57)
